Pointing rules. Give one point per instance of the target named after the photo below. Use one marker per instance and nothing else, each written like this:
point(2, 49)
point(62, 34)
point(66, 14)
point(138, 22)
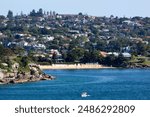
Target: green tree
point(91, 57)
point(75, 55)
point(120, 61)
point(24, 62)
point(10, 14)
point(109, 60)
point(1, 51)
point(40, 12)
point(33, 13)
point(101, 45)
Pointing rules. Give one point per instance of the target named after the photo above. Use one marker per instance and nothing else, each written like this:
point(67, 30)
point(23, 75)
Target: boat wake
point(84, 94)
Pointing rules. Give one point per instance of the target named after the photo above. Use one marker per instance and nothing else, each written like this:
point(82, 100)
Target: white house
point(48, 38)
point(40, 46)
point(113, 53)
point(23, 43)
point(126, 55)
point(1, 34)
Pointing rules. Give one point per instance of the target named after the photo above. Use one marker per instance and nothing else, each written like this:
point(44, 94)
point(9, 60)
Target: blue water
point(104, 84)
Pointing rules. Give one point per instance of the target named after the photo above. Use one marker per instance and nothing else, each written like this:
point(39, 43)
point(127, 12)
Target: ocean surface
point(102, 84)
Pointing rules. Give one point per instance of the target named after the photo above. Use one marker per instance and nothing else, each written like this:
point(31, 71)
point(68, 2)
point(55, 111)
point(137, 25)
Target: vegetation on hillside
point(48, 37)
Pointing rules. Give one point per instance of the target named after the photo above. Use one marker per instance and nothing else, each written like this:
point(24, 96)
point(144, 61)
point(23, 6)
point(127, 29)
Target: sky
point(120, 8)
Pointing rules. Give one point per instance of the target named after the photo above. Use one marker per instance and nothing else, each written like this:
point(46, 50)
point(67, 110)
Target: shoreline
point(73, 66)
point(26, 80)
point(35, 74)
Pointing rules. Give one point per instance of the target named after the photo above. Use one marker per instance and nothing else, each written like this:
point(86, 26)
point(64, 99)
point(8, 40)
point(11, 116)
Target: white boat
point(85, 94)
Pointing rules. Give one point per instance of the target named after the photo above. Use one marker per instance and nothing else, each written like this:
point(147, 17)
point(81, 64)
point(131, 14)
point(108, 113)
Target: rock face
point(35, 74)
point(1, 75)
point(138, 66)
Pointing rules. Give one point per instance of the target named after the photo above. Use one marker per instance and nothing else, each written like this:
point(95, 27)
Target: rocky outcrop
point(133, 66)
point(35, 74)
point(1, 75)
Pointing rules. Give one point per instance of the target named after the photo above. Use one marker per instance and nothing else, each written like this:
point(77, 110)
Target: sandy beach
point(72, 66)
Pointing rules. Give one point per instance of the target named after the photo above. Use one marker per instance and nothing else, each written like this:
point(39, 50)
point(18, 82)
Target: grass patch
point(140, 60)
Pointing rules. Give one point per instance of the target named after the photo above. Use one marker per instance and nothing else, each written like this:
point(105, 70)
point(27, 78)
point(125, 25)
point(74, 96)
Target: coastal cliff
point(34, 74)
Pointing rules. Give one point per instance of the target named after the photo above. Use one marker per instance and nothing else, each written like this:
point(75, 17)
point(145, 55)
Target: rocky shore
point(35, 74)
point(25, 78)
point(134, 66)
